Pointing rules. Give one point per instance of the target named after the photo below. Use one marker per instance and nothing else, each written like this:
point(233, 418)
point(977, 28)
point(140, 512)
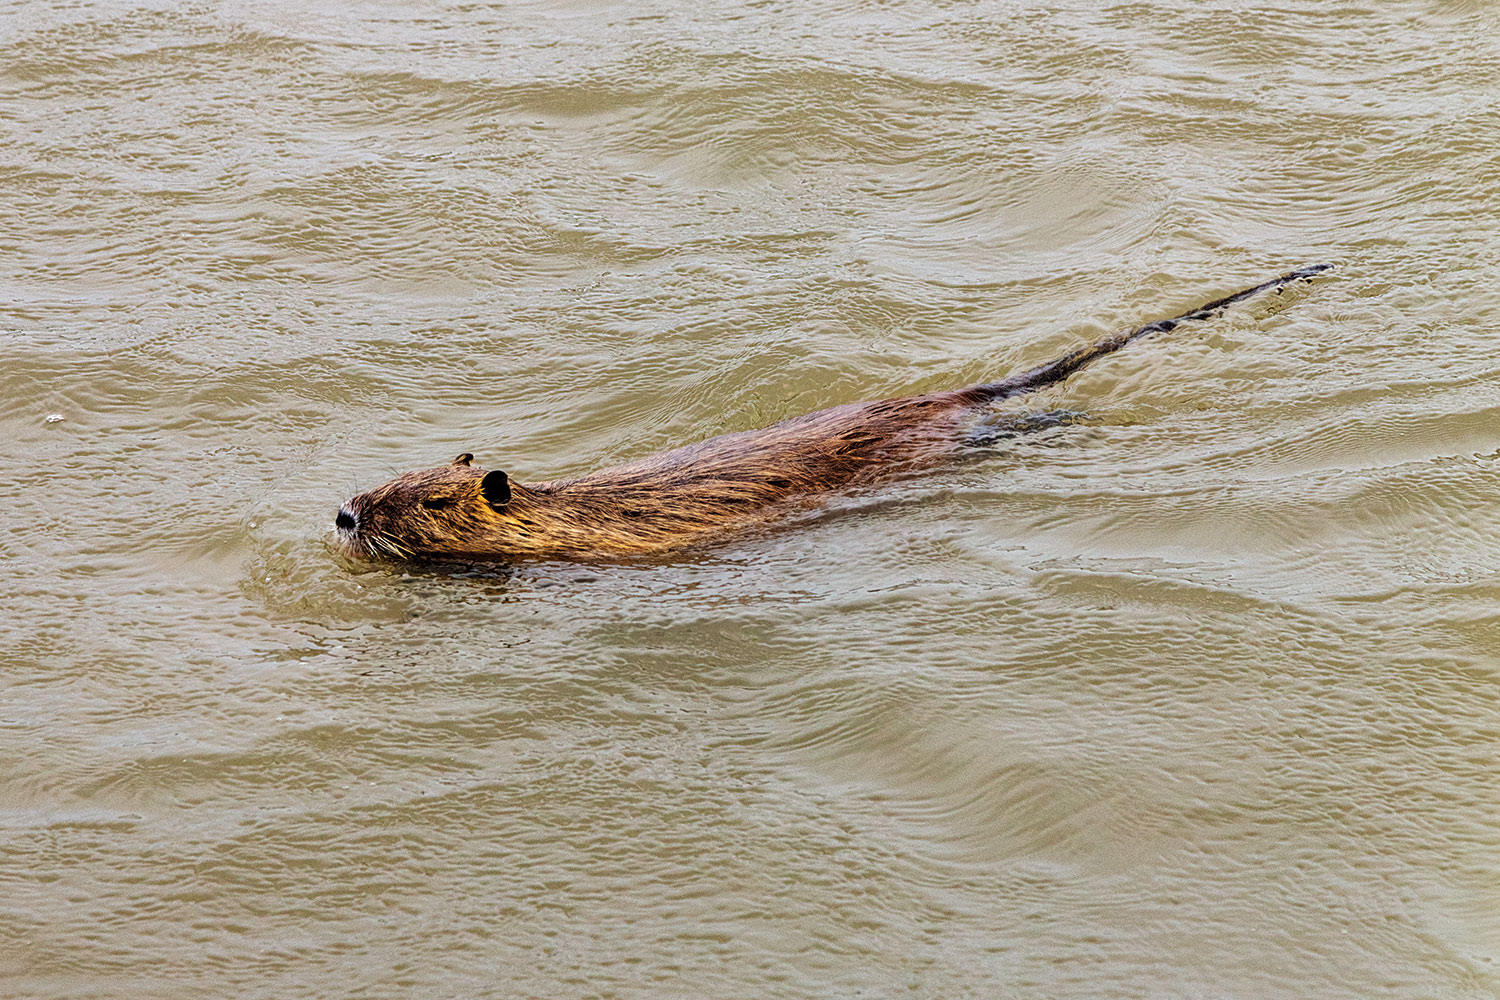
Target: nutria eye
point(437, 503)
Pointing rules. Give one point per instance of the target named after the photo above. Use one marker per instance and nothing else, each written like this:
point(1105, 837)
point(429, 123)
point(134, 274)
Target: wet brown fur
point(695, 493)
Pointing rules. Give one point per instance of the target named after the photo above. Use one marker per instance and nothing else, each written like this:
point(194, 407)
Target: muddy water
point(1199, 697)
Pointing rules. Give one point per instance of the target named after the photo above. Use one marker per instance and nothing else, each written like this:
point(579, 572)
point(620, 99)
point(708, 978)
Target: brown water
point(1198, 698)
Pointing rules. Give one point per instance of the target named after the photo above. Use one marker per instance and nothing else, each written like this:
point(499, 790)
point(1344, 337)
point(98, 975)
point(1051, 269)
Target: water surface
point(1196, 698)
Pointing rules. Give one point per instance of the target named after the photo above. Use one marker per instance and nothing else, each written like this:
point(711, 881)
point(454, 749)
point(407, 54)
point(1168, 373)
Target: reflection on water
point(1194, 696)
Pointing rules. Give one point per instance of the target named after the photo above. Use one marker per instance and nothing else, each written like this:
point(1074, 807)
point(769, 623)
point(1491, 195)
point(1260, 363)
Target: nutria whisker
point(462, 513)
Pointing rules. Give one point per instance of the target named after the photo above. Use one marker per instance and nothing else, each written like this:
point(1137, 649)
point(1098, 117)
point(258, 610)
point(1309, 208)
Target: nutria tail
point(1056, 371)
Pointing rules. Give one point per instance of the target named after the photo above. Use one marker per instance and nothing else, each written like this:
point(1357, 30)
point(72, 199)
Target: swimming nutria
point(675, 498)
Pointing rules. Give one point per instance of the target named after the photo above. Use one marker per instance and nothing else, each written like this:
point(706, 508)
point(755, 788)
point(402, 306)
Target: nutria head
point(451, 512)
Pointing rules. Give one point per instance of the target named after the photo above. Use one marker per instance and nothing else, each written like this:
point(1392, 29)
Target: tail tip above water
point(1309, 271)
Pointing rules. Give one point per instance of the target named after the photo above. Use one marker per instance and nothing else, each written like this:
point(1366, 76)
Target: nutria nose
point(345, 521)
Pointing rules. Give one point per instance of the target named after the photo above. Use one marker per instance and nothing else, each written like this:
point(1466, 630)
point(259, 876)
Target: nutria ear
point(496, 488)
point(463, 459)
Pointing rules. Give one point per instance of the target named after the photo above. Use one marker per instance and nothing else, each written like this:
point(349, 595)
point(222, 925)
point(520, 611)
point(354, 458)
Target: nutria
point(676, 498)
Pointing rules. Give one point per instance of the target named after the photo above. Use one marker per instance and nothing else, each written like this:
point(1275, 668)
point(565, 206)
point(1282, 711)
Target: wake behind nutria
point(700, 492)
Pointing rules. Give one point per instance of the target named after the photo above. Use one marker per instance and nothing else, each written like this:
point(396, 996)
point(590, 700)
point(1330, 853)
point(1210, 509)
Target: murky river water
point(1197, 698)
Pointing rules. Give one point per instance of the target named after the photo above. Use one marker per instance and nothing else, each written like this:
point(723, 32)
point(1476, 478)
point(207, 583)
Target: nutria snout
point(702, 491)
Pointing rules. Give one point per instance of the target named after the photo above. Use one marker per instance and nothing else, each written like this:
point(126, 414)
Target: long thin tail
point(1056, 371)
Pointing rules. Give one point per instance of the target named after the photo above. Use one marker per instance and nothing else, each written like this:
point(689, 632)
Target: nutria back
point(703, 491)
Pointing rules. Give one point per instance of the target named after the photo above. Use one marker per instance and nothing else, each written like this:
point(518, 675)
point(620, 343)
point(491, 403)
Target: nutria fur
point(692, 494)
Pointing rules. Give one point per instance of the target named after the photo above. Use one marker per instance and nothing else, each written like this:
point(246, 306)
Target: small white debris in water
point(53, 418)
